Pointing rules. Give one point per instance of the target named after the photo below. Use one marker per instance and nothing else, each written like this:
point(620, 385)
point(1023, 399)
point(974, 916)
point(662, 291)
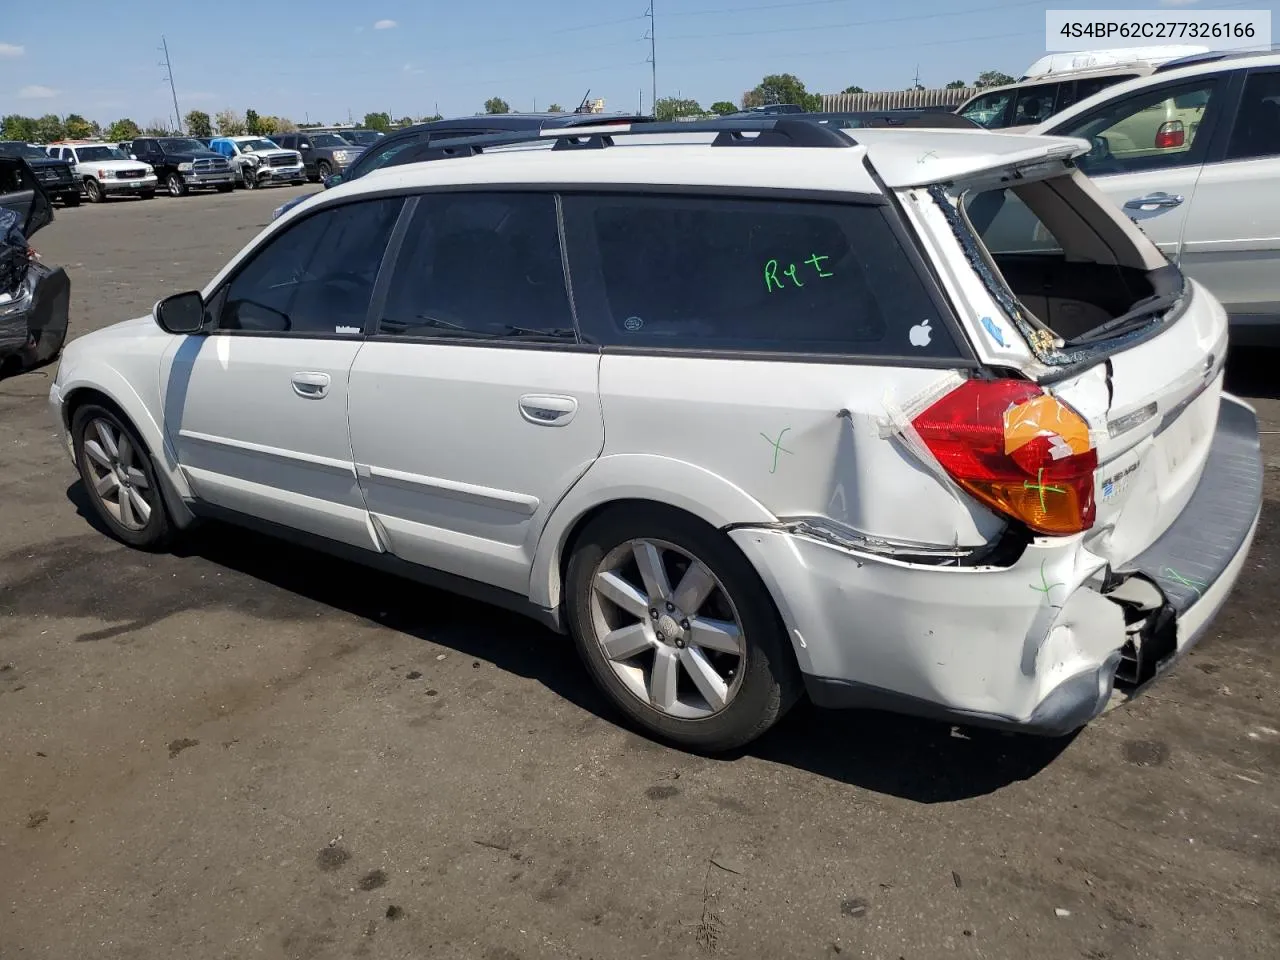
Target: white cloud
point(385, 25)
point(37, 92)
point(11, 50)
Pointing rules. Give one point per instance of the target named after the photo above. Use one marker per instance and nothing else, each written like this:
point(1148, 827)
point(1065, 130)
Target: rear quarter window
point(773, 276)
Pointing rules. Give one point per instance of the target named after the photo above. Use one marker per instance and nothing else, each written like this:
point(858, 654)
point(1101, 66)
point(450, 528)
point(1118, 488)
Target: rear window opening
point(1079, 271)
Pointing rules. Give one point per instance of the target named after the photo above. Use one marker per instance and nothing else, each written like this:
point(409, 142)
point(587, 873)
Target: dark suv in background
point(56, 176)
point(381, 153)
point(323, 154)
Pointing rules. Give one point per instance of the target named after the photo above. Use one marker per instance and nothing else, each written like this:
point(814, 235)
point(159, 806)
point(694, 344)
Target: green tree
point(956, 85)
point(723, 107)
point(285, 125)
point(123, 129)
point(405, 122)
point(992, 78)
point(430, 119)
point(268, 125)
point(496, 105)
point(251, 123)
point(853, 90)
point(17, 127)
point(199, 124)
point(228, 123)
point(668, 108)
point(781, 88)
point(377, 121)
point(555, 108)
point(49, 128)
point(78, 128)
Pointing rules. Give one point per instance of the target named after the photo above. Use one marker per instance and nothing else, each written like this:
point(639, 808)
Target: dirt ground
point(247, 750)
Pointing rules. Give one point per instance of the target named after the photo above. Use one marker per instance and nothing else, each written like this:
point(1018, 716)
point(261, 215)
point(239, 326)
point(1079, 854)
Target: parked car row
point(98, 170)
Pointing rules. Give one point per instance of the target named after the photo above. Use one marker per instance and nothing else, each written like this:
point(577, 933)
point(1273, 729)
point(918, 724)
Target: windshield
point(328, 140)
point(22, 150)
point(180, 144)
point(362, 138)
point(85, 154)
point(249, 146)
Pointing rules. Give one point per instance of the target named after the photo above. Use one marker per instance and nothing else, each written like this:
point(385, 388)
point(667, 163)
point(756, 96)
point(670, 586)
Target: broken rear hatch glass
point(1057, 284)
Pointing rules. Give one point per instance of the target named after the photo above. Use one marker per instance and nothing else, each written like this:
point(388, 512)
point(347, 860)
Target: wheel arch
point(113, 391)
point(613, 482)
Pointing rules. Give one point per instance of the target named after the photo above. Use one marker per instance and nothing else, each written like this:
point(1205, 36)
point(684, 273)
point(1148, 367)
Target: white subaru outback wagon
point(749, 409)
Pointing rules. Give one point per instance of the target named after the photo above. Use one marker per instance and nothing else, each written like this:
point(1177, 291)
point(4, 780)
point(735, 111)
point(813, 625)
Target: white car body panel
point(463, 452)
point(251, 437)
point(1166, 226)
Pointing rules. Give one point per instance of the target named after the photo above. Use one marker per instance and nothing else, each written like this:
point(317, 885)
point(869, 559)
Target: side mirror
point(304, 146)
point(332, 180)
point(180, 313)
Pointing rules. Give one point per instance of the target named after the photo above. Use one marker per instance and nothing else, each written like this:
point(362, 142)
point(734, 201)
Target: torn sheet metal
point(33, 318)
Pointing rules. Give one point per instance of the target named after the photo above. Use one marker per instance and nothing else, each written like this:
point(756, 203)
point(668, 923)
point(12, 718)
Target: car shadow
point(1251, 372)
point(914, 759)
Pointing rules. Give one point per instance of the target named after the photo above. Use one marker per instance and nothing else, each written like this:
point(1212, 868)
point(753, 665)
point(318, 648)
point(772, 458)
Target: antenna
point(917, 80)
point(582, 107)
point(168, 70)
point(651, 36)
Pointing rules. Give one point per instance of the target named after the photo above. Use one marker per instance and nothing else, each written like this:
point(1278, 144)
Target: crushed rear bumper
point(977, 647)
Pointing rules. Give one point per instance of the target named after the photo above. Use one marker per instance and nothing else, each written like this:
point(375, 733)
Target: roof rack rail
point(1213, 56)
point(769, 131)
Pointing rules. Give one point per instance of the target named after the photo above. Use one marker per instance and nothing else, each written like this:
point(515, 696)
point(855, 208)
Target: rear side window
point(1034, 104)
point(1257, 129)
point(772, 276)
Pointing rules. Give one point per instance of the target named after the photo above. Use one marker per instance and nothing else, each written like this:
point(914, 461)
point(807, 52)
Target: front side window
point(480, 266)
point(1151, 130)
point(315, 276)
point(762, 275)
point(989, 110)
point(1034, 104)
point(1257, 129)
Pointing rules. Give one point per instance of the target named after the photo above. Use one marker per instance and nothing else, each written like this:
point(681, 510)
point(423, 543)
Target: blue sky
point(325, 58)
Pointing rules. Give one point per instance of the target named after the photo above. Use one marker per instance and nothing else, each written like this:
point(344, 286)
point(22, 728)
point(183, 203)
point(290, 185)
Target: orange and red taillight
point(1018, 450)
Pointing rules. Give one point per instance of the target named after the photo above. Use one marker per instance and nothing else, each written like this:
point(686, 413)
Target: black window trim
point(220, 292)
point(1220, 148)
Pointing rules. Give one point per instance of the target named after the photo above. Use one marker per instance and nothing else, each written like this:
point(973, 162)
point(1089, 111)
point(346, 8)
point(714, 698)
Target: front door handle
point(546, 410)
point(311, 386)
point(1159, 199)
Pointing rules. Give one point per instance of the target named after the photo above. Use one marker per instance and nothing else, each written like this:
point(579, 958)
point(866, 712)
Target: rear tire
point(689, 646)
point(119, 477)
point(94, 190)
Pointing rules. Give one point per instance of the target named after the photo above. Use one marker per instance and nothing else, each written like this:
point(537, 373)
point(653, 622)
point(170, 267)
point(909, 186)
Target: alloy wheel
point(119, 482)
point(175, 185)
point(679, 649)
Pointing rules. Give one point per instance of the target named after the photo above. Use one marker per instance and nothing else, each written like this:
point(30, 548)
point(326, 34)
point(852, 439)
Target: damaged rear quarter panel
point(803, 439)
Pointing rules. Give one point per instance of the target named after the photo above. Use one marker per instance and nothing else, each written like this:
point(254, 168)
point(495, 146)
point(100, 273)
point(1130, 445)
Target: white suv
point(104, 170)
point(1192, 153)
point(746, 408)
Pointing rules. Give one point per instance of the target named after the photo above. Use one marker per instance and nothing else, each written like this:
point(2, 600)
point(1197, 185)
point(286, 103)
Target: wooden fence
point(894, 100)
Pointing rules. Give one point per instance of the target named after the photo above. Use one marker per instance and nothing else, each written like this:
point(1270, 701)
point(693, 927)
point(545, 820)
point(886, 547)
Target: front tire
point(119, 477)
point(323, 169)
point(675, 625)
point(176, 186)
point(94, 190)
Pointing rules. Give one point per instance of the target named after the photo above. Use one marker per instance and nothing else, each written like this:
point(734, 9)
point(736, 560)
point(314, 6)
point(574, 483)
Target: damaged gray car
point(34, 297)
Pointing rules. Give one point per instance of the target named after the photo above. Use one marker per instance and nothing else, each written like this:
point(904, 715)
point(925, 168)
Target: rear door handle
point(311, 386)
point(1155, 200)
point(547, 410)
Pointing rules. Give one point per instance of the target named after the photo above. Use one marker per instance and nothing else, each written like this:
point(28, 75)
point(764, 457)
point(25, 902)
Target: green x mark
point(1192, 582)
point(1046, 586)
point(777, 447)
point(1040, 485)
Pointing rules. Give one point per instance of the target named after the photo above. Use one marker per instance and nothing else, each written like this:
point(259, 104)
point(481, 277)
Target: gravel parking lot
point(245, 749)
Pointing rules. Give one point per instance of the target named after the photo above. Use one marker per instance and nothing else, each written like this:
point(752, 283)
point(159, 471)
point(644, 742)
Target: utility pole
point(168, 70)
point(653, 57)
